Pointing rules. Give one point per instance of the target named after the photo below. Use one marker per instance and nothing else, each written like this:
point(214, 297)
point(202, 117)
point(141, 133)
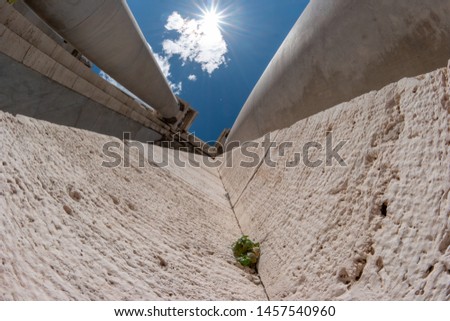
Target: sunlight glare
point(211, 18)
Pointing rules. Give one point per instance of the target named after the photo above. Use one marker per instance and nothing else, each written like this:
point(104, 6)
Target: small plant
point(11, 1)
point(246, 252)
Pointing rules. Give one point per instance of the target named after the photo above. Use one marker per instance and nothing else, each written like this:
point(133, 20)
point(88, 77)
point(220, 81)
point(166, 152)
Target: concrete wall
point(71, 229)
point(27, 92)
point(341, 49)
point(377, 228)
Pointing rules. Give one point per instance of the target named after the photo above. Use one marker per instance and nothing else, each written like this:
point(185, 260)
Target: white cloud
point(176, 88)
point(175, 21)
point(199, 41)
point(192, 77)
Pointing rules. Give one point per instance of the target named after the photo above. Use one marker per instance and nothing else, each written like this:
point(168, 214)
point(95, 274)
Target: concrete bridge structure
point(375, 226)
point(42, 76)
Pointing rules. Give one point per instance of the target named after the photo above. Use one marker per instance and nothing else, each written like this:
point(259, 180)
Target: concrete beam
point(341, 49)
point(108, 35)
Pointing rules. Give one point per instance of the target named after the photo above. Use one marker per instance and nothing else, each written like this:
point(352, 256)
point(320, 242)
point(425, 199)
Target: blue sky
point(216, 81)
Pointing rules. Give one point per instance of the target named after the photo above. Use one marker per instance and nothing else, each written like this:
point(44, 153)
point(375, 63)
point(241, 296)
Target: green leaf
point(245, 261)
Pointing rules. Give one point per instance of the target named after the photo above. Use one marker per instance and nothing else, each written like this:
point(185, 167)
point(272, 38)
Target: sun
point(211, 18)
point(210, 27)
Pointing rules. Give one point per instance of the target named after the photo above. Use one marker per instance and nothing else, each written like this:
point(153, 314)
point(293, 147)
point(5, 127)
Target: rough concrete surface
point(375, 229)
point(243, 173)
point(72, 229)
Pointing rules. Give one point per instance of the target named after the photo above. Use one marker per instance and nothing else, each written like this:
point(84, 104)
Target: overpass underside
point(41, 78)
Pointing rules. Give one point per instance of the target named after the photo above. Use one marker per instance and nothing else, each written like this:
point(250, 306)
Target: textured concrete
point(375, 229)
point(239, 167)
point(71, 229)
point(108, 35)
point(341, 49)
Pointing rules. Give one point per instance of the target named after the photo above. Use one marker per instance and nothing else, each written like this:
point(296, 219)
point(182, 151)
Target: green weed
point(246, 251)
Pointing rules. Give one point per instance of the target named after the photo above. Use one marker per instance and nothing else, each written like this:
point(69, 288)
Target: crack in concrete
point(242, 233)
point(267, 151)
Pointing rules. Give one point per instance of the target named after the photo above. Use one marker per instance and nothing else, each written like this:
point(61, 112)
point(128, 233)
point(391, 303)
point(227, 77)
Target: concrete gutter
point(106, 32)
point(341, 49)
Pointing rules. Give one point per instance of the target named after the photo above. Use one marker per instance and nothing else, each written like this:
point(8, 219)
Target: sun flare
point(211, 18)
